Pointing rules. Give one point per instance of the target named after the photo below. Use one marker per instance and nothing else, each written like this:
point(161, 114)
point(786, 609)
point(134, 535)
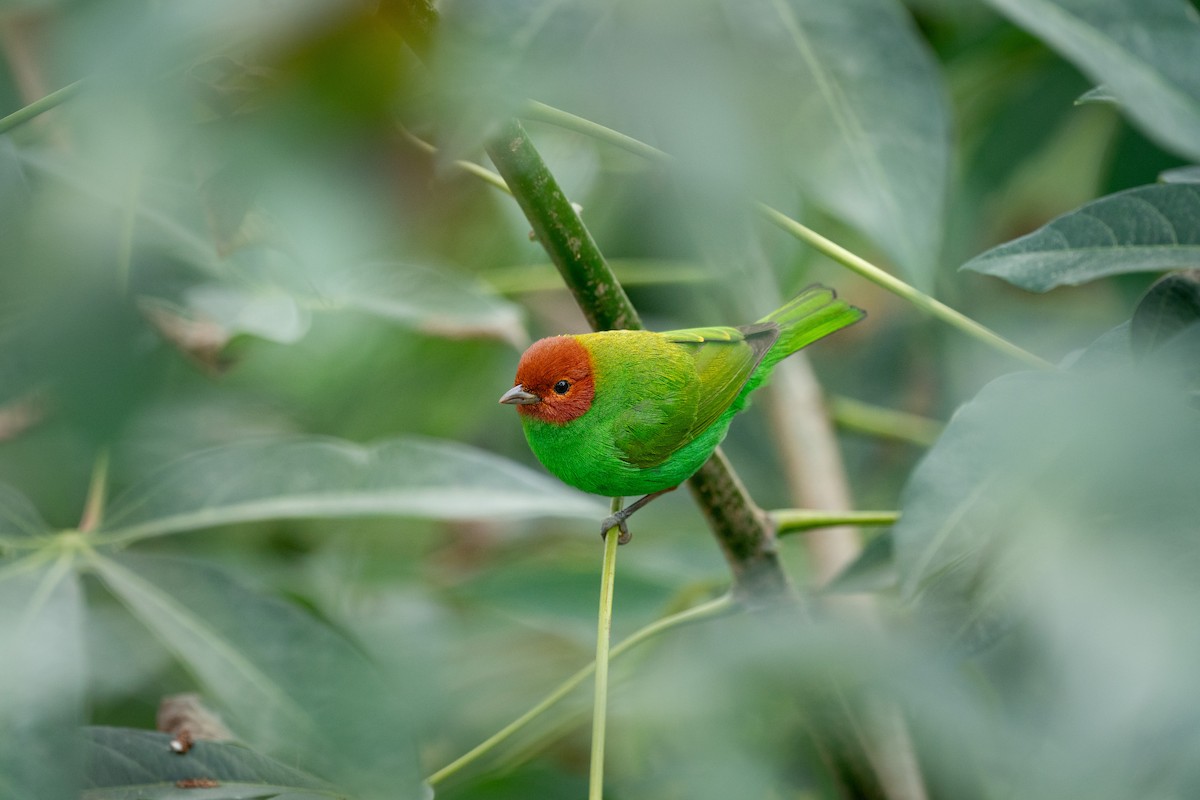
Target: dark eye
point(562, 387)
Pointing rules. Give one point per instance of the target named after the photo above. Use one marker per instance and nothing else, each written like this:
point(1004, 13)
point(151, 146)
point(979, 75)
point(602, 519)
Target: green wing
point(716, 363)
point(698, 373)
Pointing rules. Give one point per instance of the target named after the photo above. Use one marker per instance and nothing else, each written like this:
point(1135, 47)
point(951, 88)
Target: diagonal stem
point(713, 608)
point(39, 106)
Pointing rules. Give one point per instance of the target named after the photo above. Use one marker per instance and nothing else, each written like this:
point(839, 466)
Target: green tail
point(811, 315)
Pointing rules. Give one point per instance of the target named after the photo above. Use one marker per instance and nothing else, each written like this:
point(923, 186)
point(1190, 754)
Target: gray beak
point(517, 396)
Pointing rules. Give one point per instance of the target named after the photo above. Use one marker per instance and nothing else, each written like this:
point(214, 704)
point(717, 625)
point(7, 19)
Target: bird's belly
point(591, 464)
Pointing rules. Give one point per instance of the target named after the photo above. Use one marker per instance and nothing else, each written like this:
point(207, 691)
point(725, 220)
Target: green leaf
point(866, 115)
point(1147, 229)
point(285, 682)
point(1037, 463)
point(1168, 307)
point(873, 571)
point(19, 520)
point(433, 301)
point(1143, 51)
point(123, 764)
point(268, 313)
point(294, 478)
point(42, 660)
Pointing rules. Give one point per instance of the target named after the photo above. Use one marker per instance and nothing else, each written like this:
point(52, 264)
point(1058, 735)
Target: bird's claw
point(616, 521)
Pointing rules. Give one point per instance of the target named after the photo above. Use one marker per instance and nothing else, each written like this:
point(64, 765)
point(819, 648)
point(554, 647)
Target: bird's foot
point(616, 521)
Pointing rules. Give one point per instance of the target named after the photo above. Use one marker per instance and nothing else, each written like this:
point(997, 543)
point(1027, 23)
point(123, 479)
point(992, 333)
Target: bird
point(621, 413)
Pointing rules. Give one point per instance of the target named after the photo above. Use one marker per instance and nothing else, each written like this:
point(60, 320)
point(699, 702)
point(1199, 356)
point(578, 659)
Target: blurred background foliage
point(231, 234)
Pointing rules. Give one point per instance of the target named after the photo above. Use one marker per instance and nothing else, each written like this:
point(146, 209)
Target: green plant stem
point(93, 507)
point(470, 167)
point(550, 115)
point(886, 280)
point(37, 107)
point(713, 608)
point(561, 232)
point(861, 417)
point(853, 262)
point(603, 638)
point(796, 520)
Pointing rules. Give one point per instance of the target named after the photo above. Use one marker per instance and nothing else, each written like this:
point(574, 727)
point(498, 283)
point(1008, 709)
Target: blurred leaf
point(297, 478)
point(486, 56)
point(286, 683)
point(123, 763)
point(866, 115)
point(1035, 459)
point(748, 97)
point(434, 301)
point(1147, 229)
point(42, 693)
point(1142, 50)
point(873, 571)
point(213, 315)
point(19, 520)
point(1098, 94)
point(169, 216)
point(229, 197)
point(1189, 174)
point(1169, 306)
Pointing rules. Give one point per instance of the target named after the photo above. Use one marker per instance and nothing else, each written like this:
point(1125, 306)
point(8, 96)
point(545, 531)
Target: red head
point(554, 381)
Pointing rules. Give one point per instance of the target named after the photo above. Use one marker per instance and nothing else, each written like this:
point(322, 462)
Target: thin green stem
point(37, 107)
point(853, 262)
point(470, 167)
point(541, 112)
point(93, 507)
point(603, 637)
point(875, 420)
point(795, 520)
point(886, 280)
point(713, 608)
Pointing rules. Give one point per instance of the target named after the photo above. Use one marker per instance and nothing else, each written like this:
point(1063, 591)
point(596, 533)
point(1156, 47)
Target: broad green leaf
point(285, 682)
point(873, 571)
point(866, 115)
point(434, 301)
point(265, 292)
point(42, 662)
point(123, 763)
point(268, 313)
point(1147, 229)
point(748, 96)
point(296, 478)
point(1168, 307)
point(208, 316)
point(18, 518)
point(1083, 457)
point(1143, 51)
point(1189, 174)
point(169, 217)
